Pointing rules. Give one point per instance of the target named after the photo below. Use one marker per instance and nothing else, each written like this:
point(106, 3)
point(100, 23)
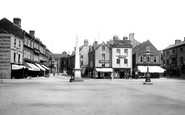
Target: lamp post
point(148, 80)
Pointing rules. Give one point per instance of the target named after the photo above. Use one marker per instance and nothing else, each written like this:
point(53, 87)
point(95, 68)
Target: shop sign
point(103, 61)
point(122, 56)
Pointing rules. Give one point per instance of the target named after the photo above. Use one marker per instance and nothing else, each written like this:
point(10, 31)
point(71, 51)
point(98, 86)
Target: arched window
point(141, 58)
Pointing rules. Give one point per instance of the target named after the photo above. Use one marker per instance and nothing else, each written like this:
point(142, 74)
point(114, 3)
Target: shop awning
point(104, 69)
point(32, 67)
point(17, 67)
point(45, 67)
point(152, 69)
point(40, 67)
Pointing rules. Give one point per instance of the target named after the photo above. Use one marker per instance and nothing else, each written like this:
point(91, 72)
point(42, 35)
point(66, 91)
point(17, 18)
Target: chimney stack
point(85, 42)
point(177, 41)
point(131, 36)
point(32, 33)
point(17, 21)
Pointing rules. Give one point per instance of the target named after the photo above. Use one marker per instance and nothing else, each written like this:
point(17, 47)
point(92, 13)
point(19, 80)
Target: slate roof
point(11, 28)
point(175, 45)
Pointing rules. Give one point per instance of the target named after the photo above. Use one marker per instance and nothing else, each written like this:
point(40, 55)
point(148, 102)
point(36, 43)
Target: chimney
point(17, 21)
point(131, 36)
point(32, 33)
point(177, 41)
point(115, 37)
point(95, 44)
point(85, 42)
point(125, 38)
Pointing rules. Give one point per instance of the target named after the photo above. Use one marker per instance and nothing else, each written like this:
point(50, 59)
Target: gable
point(142, 47)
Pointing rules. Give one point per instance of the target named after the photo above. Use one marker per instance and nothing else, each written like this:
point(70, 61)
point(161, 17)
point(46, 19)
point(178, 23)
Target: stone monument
point(77, 69)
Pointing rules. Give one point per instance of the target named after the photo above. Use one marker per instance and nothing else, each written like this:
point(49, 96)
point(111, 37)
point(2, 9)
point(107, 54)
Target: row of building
point(21, 53)
point(127, 55)
point(116, 57)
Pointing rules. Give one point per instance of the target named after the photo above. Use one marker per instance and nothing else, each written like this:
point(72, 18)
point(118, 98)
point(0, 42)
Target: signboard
point(5, 66)
point(103, 61)
point(122, 56)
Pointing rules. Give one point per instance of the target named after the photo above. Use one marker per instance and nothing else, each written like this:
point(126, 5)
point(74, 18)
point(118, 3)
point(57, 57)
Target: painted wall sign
point(5, 66)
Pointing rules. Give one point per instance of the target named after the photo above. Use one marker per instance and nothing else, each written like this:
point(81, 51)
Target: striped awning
point(40, 67)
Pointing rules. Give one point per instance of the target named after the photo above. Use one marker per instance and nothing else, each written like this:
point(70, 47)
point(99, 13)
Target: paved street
point(57, 96)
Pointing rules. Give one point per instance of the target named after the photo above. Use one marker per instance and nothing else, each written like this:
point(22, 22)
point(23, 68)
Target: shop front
point(121, 72)
point(103, 72)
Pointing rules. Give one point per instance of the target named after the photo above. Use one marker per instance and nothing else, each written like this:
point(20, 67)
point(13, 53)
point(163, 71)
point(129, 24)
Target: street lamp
point(148, 80)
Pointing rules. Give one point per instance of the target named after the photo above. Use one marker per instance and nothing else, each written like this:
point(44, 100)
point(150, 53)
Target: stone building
point(99, 60)
point(174, 59)
point(121, 57)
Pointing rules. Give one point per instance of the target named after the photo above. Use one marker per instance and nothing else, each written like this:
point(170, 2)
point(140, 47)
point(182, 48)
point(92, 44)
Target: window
point(118, 61)
point(82, 56)
point(181, 60)
point(167, 52)
point(163, 61)
point(19, 43)
point(173, 51)
point(167, 61)
point(14, 42)
point(81, 63)
point(148, 48)
point(141, 58)
point(103, 48)
point(126, 51)
point(103, 64)
point(14, 57)
point(181, 49)
point(155, 58)
point(103, 56)
point(118, 50)
point(125, 61)
point(19, 58)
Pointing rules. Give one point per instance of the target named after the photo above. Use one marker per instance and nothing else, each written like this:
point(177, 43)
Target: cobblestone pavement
point(57, 96)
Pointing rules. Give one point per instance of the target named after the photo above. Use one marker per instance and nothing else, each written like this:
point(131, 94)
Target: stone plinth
point(77, 75)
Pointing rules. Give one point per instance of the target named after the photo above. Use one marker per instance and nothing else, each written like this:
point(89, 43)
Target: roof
point(11, 28)
point(101, 45)
point(175, 45)
point(59, 55)
point(140, 46)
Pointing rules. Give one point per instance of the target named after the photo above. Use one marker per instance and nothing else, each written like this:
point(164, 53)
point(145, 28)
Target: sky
point(58, 22)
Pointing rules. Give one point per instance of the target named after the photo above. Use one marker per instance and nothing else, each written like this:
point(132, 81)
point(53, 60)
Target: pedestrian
point(110, 77)
point(136, 75)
